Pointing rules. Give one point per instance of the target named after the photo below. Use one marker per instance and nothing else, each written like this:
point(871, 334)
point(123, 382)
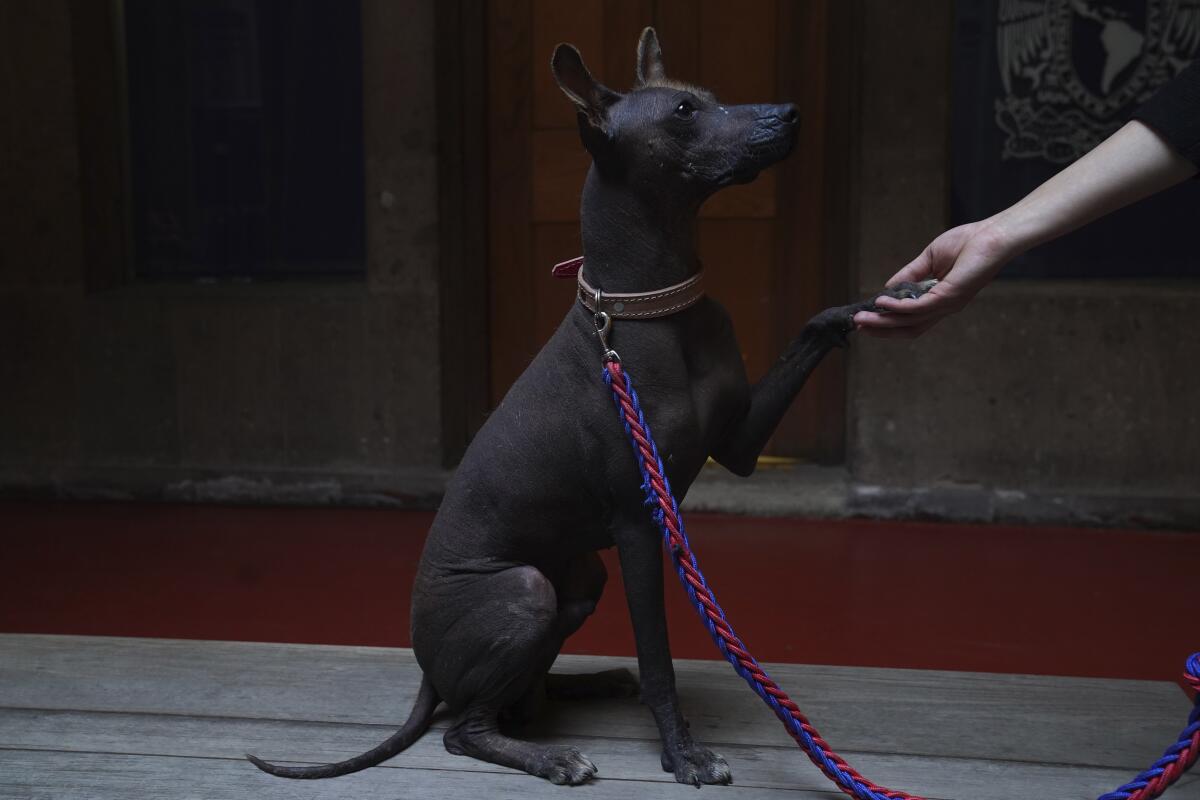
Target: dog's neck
point(632, 243)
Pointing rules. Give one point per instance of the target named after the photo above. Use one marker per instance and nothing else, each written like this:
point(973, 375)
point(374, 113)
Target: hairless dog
point(510, 567)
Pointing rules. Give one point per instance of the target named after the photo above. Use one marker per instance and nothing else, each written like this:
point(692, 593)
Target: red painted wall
point(973, 597)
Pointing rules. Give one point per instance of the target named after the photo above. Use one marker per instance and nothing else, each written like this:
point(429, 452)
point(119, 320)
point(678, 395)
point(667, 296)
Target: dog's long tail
point(418, 722)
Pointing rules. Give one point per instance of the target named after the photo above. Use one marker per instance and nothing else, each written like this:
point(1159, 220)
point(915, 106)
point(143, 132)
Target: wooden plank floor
point(95, 718)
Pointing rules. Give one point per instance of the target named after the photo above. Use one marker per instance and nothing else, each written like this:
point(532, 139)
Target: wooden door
point(773, 251)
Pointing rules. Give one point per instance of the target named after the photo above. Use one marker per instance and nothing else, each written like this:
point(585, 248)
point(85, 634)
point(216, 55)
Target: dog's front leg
point(640, 552)
point(770, 398)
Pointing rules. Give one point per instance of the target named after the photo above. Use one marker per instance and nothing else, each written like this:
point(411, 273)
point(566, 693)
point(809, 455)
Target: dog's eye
point(685, 109)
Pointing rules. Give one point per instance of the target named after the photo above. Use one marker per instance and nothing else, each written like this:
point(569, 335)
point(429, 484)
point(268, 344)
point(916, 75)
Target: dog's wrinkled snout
point(774, 132)
point(778, 117)
point(774, 123)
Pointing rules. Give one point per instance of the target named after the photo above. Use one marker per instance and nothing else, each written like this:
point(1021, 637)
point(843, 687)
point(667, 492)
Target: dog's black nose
point(789, 114)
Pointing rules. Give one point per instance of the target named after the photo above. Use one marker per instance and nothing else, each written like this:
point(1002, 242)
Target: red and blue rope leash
point(665, 512)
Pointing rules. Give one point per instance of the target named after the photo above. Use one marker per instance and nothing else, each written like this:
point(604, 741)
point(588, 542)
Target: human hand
point(1133, 163)
point(963, 259)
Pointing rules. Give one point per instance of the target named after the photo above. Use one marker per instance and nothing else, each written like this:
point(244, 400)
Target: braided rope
point(1177, 759)
point(665, 513)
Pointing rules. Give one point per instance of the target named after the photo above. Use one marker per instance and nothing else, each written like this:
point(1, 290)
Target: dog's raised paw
point(696, 765)
point(566, 766)
point(910, 290)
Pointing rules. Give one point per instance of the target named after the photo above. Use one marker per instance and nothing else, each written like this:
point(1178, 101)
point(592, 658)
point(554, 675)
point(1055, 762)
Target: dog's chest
point(689, 418)
point(717, 376)
point(718, 394)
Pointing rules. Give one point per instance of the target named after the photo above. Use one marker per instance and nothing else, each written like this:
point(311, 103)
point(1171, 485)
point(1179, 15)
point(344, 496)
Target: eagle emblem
point(1074, 70)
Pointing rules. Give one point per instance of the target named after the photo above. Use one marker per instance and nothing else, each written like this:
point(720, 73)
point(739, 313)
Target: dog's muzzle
point(771, 139)
point(774, 132)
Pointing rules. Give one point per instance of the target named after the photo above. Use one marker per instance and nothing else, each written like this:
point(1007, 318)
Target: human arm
point(1133, 163)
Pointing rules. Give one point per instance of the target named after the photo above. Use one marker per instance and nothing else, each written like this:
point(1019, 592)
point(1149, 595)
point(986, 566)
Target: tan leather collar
point(642, 305)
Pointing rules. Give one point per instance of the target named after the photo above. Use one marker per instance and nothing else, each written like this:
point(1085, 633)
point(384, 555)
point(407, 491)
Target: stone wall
point(297, 389)
point(329, 392)
point(1075, 388)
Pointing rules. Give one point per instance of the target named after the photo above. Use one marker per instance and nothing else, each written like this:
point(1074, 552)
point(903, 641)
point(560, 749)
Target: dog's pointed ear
point(649, 58)
point(592, 101)
point(590, 97)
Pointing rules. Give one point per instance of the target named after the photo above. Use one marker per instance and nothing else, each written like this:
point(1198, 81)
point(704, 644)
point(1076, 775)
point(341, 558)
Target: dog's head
point(665, 136)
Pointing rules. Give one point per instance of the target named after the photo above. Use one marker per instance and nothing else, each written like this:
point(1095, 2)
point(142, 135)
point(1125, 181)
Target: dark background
point(246, 137)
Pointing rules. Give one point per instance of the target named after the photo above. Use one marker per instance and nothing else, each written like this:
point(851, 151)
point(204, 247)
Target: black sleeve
point(1174, 112)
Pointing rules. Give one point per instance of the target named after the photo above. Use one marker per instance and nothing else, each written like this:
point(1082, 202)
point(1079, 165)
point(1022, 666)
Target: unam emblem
point(1074, 70)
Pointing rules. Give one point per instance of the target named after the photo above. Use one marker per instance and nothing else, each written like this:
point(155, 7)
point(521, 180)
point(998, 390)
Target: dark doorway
point(246, 137)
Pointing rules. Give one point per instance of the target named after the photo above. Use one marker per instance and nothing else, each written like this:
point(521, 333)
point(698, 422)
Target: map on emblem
point(1038, 83)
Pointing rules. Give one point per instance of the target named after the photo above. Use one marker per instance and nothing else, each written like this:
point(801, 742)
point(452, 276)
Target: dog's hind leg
point(491, 657)
point(578, 584)
point(477, 734)
point(608, 684)
point(579, 589)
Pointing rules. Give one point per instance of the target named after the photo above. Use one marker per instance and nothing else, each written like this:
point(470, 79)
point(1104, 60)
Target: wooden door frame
point(814, 248)
point(463, 322)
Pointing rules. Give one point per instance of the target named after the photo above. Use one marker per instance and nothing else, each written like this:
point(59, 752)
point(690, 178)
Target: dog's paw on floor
point(566, 766)
point(696, 765)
